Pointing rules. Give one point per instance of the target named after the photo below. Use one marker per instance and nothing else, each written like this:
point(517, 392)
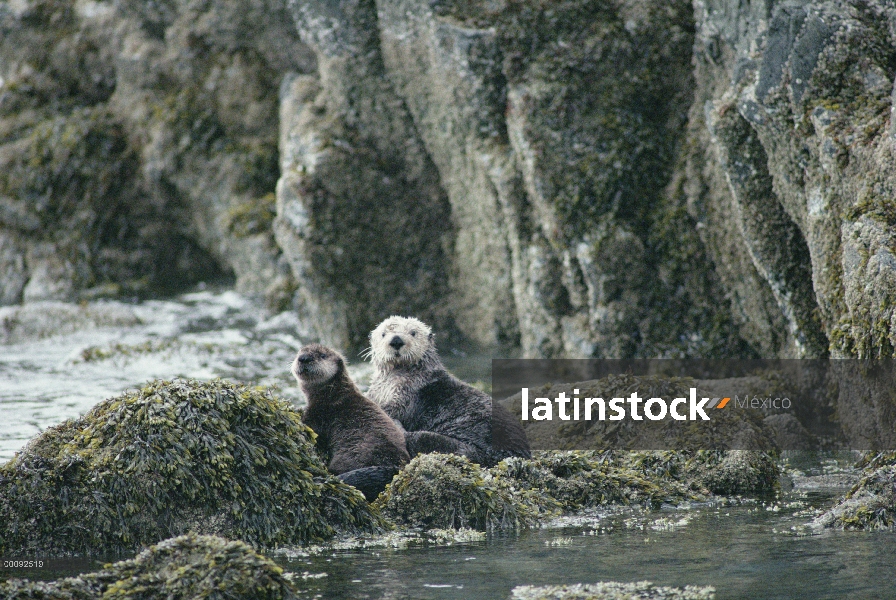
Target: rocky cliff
point(138, 145)
point(572, 178)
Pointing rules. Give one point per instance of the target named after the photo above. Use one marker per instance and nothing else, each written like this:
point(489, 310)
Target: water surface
point(743, 551)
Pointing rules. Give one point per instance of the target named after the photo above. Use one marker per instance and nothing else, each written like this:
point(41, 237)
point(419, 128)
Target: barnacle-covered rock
point(871, 503)
point(190, 566)
point(212, 457)
point(612, 590)
point(580, 479)
point(448, 491)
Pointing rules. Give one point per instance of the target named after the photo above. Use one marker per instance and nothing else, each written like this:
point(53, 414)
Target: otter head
point(316, 364)
point(400, 341)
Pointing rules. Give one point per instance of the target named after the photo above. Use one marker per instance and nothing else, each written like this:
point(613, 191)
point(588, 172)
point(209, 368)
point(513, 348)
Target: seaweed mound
point(726, 472)
point(191, 566)
point(580, 479)
point(733, 472)
point(612, 590)
point(448, 491)
point(443, 491)
point(211, 457)
point(871, 503)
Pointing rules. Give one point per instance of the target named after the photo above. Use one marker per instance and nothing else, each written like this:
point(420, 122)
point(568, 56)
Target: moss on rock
point(70, 187)
point(448, 491)
point(213, 457)
point(252, 217)
point(190, 566)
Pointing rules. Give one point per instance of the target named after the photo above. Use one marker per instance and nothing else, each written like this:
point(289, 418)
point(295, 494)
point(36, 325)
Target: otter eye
point(414, 333)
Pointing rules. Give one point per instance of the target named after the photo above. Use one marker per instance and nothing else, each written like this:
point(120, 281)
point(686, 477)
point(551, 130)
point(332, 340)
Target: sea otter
point(439, 412)
point(359, 442)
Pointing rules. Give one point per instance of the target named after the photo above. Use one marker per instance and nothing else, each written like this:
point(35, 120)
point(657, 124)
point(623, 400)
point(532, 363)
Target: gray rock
point(134, 141)
point(37, 320)
point(789, 433)
point(554, 146)
point(871, 503)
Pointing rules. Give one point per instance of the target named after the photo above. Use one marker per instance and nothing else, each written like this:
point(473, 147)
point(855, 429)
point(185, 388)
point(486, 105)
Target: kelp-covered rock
point(871, 503)
point(612, 590)
point(733, 472)
point(445, 491)
point(723, 472)
point(213, 457)
point(580, 479)
point(186, 567)
point(448, 491)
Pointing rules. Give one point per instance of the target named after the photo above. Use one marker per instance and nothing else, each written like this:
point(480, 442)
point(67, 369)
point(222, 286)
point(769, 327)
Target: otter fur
point(439, 412)
point(359, 442)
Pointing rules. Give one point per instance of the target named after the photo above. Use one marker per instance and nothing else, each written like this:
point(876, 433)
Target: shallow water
point(742, 551)
point(109, 347)
point(746, 551)
point(45, 379)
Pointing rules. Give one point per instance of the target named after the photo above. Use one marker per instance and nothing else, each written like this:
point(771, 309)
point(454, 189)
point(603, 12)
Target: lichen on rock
point(172, 457)
point(190, 566)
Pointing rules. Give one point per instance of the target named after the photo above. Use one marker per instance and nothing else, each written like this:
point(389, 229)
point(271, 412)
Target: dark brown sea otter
point(359, 441)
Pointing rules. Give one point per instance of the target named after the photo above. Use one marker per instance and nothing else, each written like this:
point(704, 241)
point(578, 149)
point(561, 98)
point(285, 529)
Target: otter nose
point(305, 359)
point(397, 342)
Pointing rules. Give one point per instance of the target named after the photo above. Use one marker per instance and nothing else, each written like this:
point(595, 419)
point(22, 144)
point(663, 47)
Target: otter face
point(400, 340)
point(316, 364)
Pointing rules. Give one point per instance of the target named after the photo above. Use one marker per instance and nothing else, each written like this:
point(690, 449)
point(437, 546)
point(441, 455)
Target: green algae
point(733, 472)
point(212, 457)
point(252, 217)
point(447, 491)
point(584, 479)
point(190, 566)
point(443, 491)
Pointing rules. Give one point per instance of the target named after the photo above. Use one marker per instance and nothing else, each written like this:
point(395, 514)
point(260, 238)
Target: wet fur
point(359, 442)
point(439, 412)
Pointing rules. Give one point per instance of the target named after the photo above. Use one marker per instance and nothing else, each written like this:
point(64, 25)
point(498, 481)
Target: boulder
point(169, 458)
